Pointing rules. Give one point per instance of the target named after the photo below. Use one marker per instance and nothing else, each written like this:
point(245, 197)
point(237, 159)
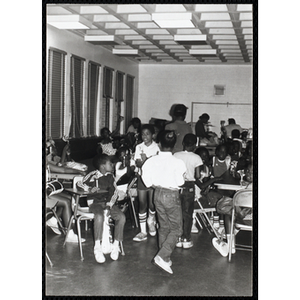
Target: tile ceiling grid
point(228, 29)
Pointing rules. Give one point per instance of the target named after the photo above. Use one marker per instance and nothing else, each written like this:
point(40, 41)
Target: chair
point(242, 198)
point(132, 194)
point(203, 211)
point(80, 214)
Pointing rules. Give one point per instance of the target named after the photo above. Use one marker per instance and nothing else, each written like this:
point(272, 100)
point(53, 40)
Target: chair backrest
point(243, 198)
point(75, 180)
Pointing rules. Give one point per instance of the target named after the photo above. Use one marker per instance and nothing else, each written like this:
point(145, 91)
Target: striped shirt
point(104, 182)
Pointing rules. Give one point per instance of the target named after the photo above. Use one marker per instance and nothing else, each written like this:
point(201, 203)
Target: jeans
point(169, 214)
point(187, 198)
point(116, 214)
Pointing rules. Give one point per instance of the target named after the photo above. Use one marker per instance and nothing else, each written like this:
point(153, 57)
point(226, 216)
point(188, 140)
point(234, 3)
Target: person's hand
point(218, 178)
point(95, 189)
point(143, 156)
point(139, 163)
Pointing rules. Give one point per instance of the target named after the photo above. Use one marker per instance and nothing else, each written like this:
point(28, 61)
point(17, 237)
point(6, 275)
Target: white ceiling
point(227, 29)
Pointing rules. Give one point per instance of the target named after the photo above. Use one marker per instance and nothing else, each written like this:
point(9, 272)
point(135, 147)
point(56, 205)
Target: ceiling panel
point(151, 29)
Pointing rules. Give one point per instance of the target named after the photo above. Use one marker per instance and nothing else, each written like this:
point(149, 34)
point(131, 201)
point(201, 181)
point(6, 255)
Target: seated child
point(221, 161)
point(103, 179)
point(243, 215)
point(105, 145)
point(187, 196)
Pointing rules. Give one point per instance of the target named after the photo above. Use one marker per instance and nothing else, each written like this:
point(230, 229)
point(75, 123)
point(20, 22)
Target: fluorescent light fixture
point(103, 39)
point(69, 22)
point(126, 52)
point(203, 52)
point(187, 39)
point(174, 20)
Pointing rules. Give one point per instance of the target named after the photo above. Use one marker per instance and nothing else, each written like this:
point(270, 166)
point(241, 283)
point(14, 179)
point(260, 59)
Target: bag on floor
point(106, 236)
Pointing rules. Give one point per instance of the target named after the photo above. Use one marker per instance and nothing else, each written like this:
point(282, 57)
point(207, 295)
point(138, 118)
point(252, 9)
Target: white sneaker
point(52, 223)
point(179, 243)
point(73, 238)
point(222, 247)
point(194, 229)
point(114, 255)
point(100, 258)
point(140, 237)
point(158, 261)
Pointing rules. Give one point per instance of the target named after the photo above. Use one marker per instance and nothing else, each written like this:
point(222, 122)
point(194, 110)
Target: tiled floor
point(199, 271)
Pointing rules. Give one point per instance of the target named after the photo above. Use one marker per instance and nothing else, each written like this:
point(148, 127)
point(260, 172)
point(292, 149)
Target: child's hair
point(236, 145)
point(219, 148)
point(180, 110)
point(150, 127)
point(167, 139)
point(189, 140)
point(99, 160)
point(235, 133)
point(136, 121)
point(122, 149)
point(201, 150)
point(103, 130)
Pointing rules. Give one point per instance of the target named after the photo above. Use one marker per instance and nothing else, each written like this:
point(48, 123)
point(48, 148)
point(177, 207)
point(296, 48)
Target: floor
point(199, 271)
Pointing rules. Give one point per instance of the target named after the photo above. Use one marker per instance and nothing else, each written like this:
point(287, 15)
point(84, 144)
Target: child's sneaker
point(179, 243)
point(187, 244)
point(99, 256)
point(114, 255)
point(221, 246)
point(151, 225)
point(140, 237)
point(158, 261)
point(52, 223)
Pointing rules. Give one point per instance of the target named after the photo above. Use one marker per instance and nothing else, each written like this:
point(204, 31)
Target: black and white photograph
point(150, 144)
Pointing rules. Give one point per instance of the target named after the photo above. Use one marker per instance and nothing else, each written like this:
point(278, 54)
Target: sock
point(151, 214)
point(233, 241)
point(143, 218)
point(97, 244)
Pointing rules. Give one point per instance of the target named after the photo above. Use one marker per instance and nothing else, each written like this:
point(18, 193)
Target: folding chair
point(204, 211)
point(242, 198)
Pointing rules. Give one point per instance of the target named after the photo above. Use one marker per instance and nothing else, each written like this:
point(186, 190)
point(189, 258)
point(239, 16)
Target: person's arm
point(63, 169)
point(112, 191)
point(203, 185)
point(84, 184)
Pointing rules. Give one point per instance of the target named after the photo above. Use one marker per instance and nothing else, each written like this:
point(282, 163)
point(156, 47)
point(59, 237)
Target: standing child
point(192, 162)
point(144, 151)
point(165, 173)
point(102, 179)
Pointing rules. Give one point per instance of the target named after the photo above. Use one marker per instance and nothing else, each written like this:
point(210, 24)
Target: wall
point(74, 44)
point(160, 86)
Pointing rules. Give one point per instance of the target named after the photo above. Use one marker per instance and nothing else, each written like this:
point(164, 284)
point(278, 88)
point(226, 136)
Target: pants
point(187, 198)
point(116, 214)
point(169, 214)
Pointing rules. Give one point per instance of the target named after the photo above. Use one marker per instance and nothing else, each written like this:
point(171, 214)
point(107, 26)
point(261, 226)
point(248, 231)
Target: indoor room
point(149, 117)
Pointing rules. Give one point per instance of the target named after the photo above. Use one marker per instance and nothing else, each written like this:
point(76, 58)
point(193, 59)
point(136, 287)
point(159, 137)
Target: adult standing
point(179, 126)
point(201, 133)
point(231, 126)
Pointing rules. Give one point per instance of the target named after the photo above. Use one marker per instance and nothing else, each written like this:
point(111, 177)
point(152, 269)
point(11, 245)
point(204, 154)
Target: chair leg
point(86, 225)
point(50, 262)
point(231, 235)
point(58, 220)
point(79, 238)
point(134, 213)
point(69, 227)
point(198, 221)
point(122, 248)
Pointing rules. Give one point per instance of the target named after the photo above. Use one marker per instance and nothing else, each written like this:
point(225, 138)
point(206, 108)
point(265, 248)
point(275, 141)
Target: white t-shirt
point(192, 161)
point(150, 150)
point(164, 170)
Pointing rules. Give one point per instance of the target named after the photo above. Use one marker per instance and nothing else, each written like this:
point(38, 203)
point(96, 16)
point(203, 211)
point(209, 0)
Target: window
point(129, 100)
point(56, 94)
point(107, 97)
point(92, 98)
point(119, 98)
point(77, 66)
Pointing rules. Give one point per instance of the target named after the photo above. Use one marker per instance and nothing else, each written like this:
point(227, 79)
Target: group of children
point(167, 183)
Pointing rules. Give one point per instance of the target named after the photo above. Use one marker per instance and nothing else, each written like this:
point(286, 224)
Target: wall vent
point(219, 90)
